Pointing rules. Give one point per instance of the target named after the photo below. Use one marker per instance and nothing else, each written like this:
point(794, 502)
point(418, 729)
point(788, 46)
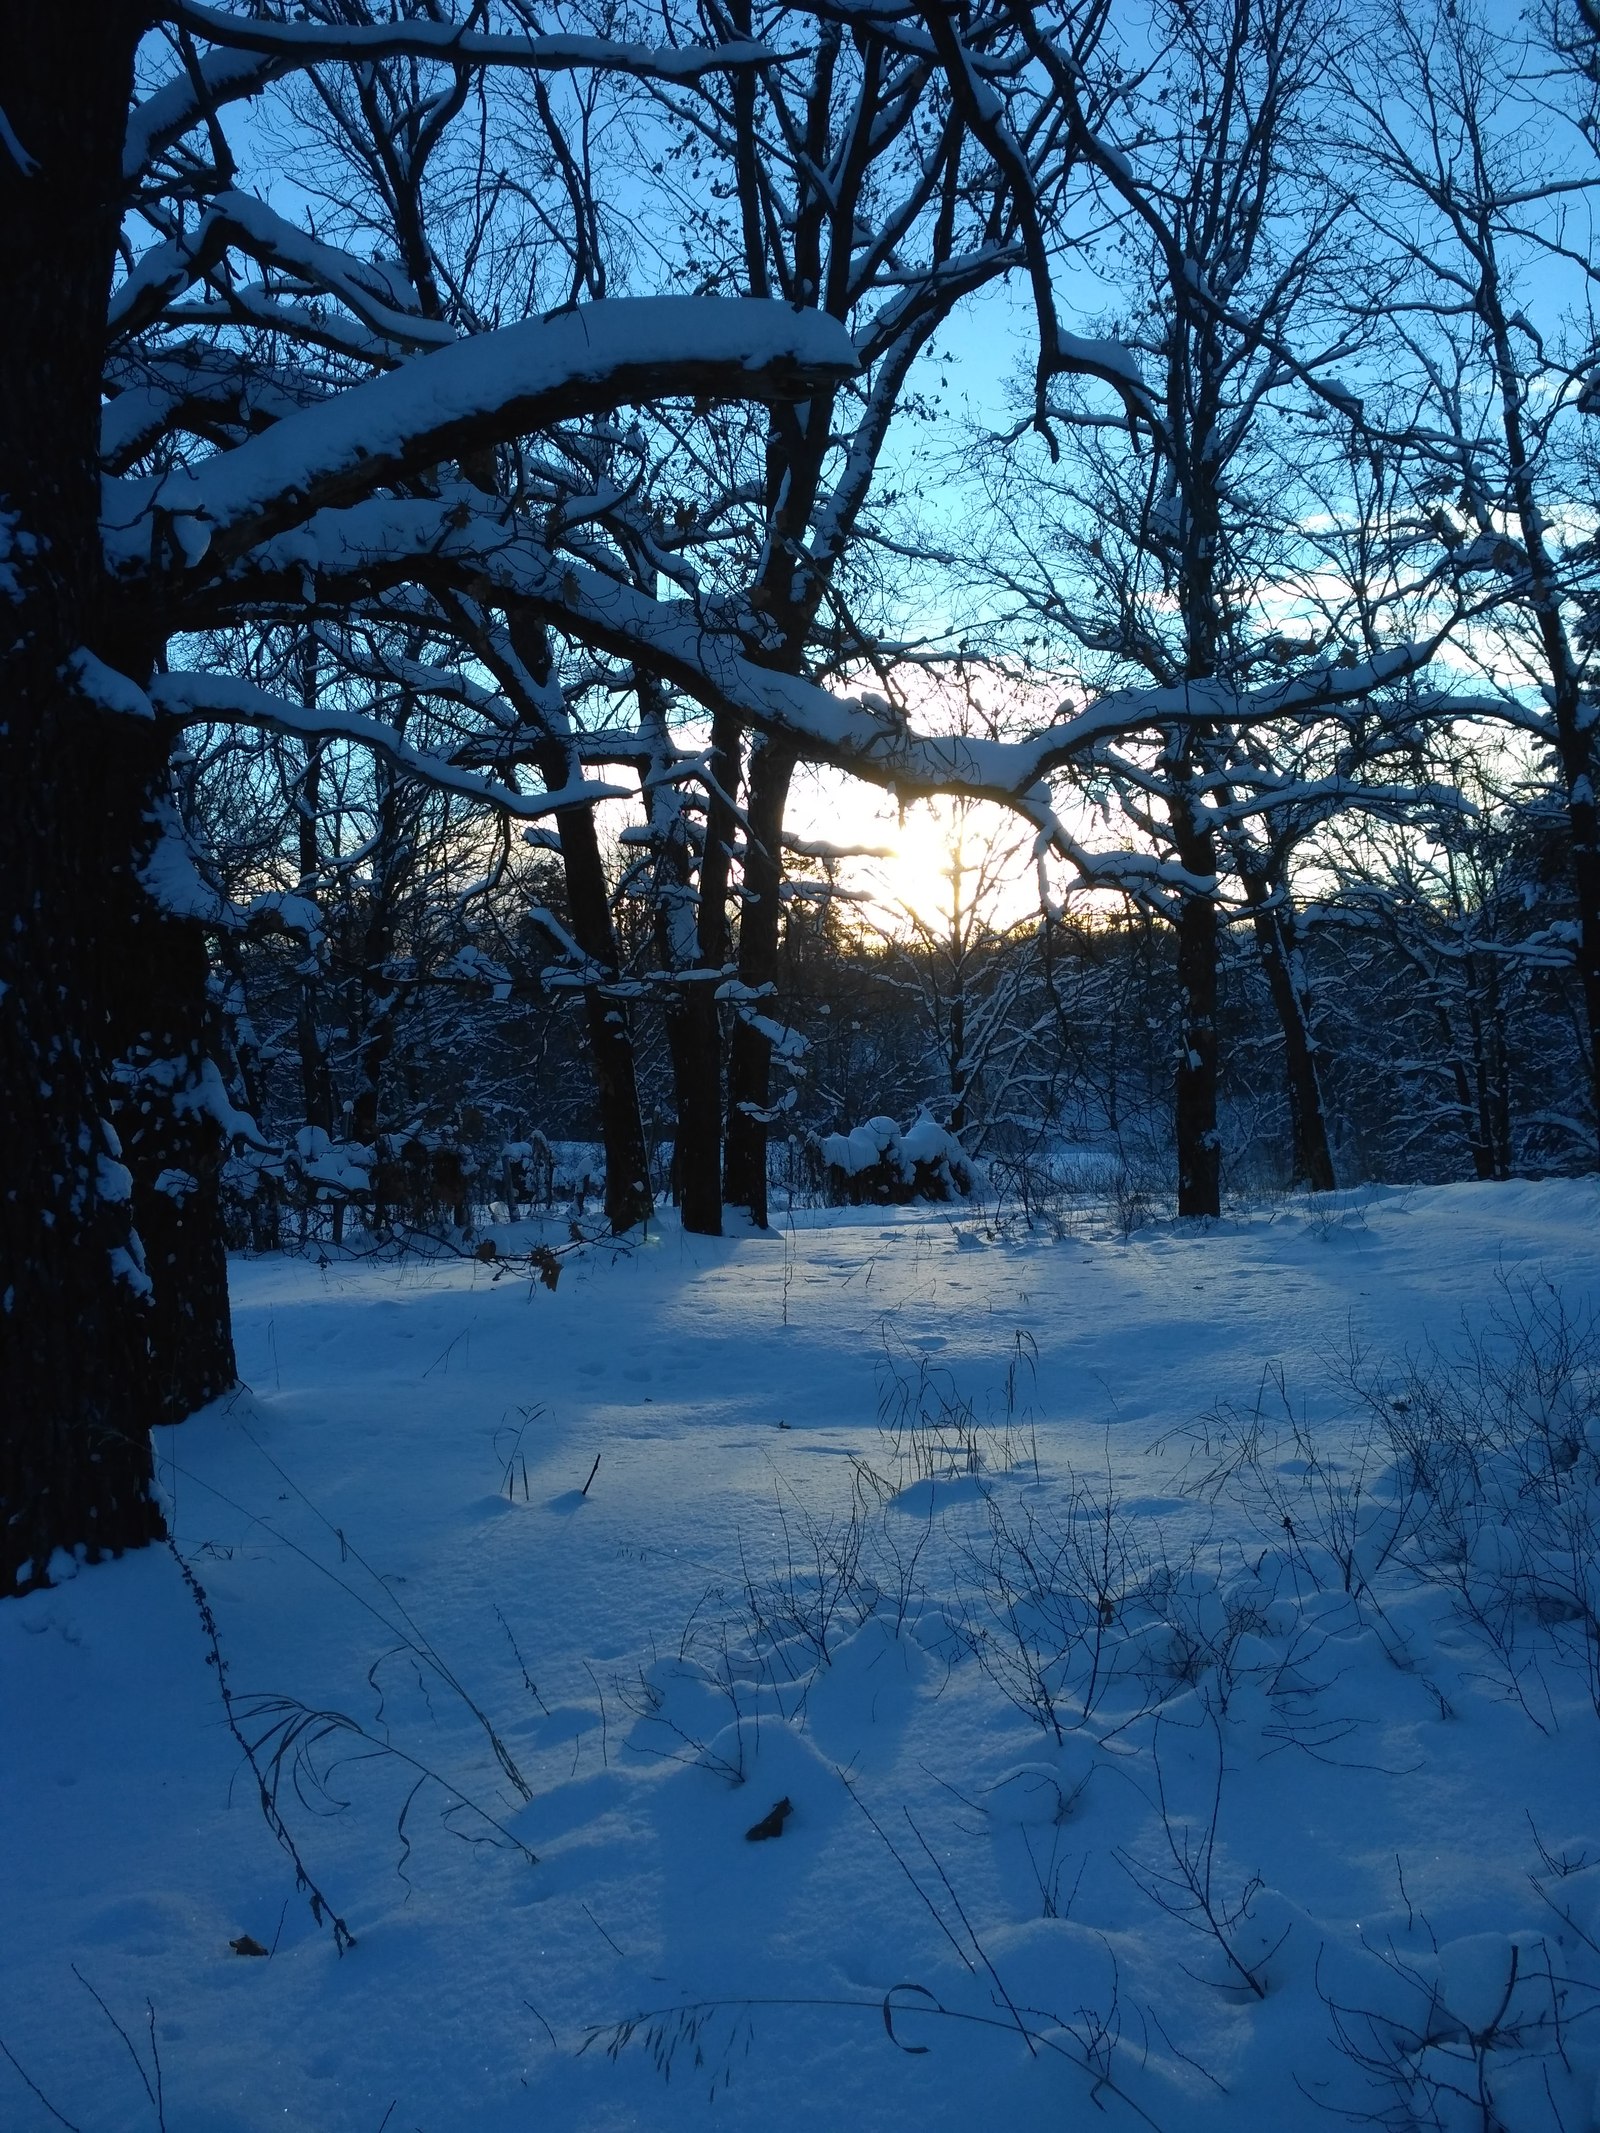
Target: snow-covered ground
point(1189, 1640)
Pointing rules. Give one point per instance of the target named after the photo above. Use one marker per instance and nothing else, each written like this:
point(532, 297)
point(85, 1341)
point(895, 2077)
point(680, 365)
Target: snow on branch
point(169, 112)
point(206, 391)
point(196, 698)
point(477, 392)
point(379, 296)
point(452, 542)
point(308, 43)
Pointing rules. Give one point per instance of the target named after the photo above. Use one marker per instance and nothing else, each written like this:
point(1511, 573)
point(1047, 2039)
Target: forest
point(877, 721)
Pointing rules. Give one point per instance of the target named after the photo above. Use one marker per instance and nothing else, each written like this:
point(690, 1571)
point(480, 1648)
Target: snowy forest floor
point(1178, 1654)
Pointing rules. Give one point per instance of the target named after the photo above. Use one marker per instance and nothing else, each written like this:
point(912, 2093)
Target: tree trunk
point(629, 1199)
point(76, 1396)
point(699, 1147)
point(316, 1083)
point(691, 1011)
point(1276, 940)
point(167, 1092)
point(628, 1196)
point(760, 929)
point(1199, 1142)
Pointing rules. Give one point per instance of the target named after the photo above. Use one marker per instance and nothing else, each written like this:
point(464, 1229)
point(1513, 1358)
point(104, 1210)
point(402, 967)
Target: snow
point(497, 384)
point(446, 41)
point(1394, 1822)
point(197, 696)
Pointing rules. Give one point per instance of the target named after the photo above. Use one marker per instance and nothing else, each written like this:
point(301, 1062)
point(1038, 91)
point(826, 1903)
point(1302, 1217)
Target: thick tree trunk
point(75, 1382)
point(167, 1092)
point(1572, 713)
point(316, 1082)
point(1580, 771)
point(760, 929)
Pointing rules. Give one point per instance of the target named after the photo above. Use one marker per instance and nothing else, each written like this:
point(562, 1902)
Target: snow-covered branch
point(195, 699)
point(308, 42)
point(475, 394)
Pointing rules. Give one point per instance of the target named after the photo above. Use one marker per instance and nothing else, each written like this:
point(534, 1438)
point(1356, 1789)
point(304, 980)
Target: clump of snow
point(878, 1161)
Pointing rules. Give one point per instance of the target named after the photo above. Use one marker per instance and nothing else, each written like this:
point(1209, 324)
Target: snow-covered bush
point(421, 1180)
point(313, 1176)
point(878, 1162)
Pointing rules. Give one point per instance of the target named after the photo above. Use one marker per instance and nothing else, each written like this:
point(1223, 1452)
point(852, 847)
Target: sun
point(931, 864)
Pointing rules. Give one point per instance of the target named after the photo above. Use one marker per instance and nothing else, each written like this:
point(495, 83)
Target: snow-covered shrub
point(1501, 1448)
point(527, 1174)
point(313, 1176)
point(422, 1180)
point(878, 1162)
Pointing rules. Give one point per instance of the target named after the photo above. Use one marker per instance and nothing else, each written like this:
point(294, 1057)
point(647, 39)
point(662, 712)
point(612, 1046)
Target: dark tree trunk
point(1198, 1138)
point(629, 1199)
point(699, 1145)
point(316, 1083)
point(1583, 818)
point(760, 929)
point(1199, 1143)
point(958, 1064)
point(691, 1006)
point(167, 1095)
point(1572, 714)
point(76, 1396)
point(628, 1195)
point(379, 1008)
point(1277, 944)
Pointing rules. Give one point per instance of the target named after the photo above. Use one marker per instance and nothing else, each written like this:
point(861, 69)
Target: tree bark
point(316, 1083)
point(699, 1147)
point(76, 1395)
point(1199, 1142)
point(691, 1004)
point(629, 1199)
point(166, 1090)
point(1276, 941)
point(628, 1196)
point(760, 930)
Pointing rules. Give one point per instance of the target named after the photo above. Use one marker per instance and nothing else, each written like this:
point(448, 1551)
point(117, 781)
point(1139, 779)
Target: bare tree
point(1473, 193)
point(1165, 563)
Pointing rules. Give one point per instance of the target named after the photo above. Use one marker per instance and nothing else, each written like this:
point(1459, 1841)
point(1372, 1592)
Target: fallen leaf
point(770, 1825)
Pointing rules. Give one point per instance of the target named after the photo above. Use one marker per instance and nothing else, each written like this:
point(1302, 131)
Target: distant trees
point(1490, 332)
point(1159, 551)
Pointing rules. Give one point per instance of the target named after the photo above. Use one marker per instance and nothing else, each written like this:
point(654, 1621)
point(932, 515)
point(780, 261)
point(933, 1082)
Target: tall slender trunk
point(760, 932)
point(699, 1146)
point(76, 1395)
point(958, 1063)
point(1199, 1142)
point(628, 1195)
point(1278, 945)
point(1571, 716)
point(629, 1199)
point(316, 1082)
point(691, 1003)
